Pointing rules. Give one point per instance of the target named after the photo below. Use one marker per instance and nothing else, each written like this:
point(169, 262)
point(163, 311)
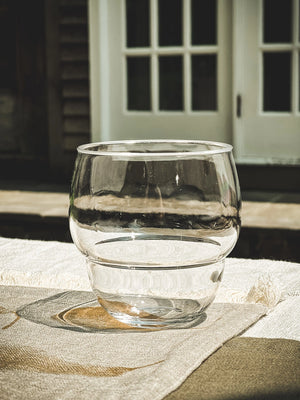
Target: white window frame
point(240, 14)
point(99, 69)
point(101, 104)
point(154, 51)
point(100, 73)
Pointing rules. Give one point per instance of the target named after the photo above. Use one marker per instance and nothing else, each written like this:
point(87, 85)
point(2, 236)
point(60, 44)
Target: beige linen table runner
point(38, 360)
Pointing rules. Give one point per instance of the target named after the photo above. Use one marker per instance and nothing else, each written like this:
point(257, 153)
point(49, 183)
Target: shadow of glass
point(80, 311)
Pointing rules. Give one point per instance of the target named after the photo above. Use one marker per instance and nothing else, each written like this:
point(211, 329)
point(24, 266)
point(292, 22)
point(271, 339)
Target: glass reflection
point(204, 82)
point(171, 83)
point(138, 83)
point(277, 81)
point(277, 21)
point(204, 22)
point(137, 23)
point(170, 22)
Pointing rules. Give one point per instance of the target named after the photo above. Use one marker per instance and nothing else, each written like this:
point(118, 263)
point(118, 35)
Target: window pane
point(204, 82)
point(277, 21)
point(137, 23)
point(170, 83)
point(277, 81)
point(204, 22)
point(170, 22)
point(138, 83)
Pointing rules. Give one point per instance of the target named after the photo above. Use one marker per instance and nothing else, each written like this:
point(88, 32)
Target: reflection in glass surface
point(204, 82)
point(171, 83)
point(170, 15)
point(204, 22)
point(277, 21)
point(137, 23)
point(138, 83)
point(277, 81)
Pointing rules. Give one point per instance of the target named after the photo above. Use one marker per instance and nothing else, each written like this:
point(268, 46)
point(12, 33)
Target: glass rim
point(220, 148)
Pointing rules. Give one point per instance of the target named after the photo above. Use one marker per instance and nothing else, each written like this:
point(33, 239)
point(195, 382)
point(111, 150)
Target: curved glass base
point(81, 312)
point(157, 298)
point(155, 313)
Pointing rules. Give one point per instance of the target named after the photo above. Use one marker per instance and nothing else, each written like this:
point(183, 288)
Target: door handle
point(238, 106)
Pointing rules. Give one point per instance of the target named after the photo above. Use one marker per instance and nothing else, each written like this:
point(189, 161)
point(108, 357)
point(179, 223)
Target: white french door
point(162, 70)
point(198, 69)
point(267, 81)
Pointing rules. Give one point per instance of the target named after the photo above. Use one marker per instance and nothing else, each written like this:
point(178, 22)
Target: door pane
point(277, 21)
point(277, 81)
point(204, 22)
point(170, 22)
point(170, 83)
point(204, 82)
point(137, 23)
point(138, 83)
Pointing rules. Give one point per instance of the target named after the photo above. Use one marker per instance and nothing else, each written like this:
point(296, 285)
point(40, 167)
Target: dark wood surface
point(44, 87)
point(22, 84)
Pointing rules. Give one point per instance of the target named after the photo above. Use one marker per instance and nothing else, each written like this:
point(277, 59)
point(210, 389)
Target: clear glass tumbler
point(155, 220)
